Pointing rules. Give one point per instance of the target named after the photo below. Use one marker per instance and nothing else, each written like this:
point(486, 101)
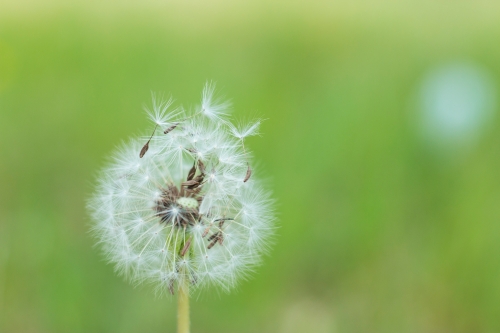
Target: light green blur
point(378, 232)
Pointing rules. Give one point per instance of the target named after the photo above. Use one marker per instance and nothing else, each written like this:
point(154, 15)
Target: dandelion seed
point(146, 146)
point(244, 130)
point(213, 108)
point(159, 113)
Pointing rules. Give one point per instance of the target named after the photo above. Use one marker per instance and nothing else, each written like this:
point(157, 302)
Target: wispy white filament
point(228, 222)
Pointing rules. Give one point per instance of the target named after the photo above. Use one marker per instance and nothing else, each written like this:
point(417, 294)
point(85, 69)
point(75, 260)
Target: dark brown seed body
point(199, 178)
point(191, 172)
point(224, 219)
point(247, 176)
point(190, 183)
point(146, 146)
point(218, 237)
point(201, 166)
point(170, 129)
point(212, 244)
point(144, 149)
point(186, 247)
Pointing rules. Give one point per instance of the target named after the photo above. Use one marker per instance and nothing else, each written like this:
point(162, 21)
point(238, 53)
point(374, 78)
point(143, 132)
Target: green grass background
point(377, 233)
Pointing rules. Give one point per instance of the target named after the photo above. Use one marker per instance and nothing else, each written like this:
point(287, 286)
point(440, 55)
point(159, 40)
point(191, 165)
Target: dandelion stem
point(183, 307)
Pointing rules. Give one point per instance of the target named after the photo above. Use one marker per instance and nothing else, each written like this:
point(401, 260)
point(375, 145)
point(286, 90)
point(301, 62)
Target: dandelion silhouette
point(181, 209)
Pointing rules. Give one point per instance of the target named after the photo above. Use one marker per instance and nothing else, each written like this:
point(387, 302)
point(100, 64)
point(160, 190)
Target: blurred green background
point(379, 230)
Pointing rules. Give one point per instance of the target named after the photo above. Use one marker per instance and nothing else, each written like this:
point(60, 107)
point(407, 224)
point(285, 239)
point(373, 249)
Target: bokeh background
point(382, 145)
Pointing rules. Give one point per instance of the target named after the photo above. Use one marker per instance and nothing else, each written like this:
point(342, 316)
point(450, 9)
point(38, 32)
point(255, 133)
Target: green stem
point(183, 308)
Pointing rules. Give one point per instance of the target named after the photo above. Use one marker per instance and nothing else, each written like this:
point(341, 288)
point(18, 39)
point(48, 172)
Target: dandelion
point(180, 208)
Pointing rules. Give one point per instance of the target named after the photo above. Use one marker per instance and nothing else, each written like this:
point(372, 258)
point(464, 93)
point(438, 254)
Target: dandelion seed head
point(183, 210)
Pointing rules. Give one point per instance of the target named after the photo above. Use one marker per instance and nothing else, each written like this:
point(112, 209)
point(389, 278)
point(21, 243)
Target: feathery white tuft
point(244, 130)
point(187, 210)
point(214, 108)
point(160, 113)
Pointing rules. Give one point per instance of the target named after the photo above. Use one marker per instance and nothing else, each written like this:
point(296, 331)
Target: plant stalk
point(183, 308)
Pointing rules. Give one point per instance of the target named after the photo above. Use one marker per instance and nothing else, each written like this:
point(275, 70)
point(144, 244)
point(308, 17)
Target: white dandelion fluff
point(181, 208)
point(212, 107)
